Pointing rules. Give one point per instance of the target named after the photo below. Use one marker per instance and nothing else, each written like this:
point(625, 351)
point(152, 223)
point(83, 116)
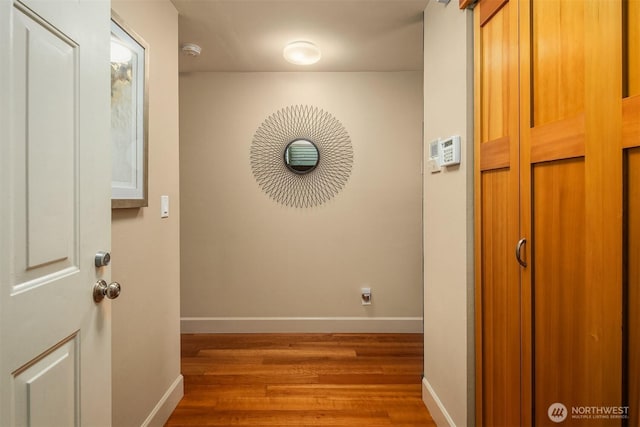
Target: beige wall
point(145, 248)
point(252, 264)
point(448, 218)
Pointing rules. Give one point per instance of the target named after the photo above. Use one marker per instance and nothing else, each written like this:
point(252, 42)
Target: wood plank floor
point(330, 380)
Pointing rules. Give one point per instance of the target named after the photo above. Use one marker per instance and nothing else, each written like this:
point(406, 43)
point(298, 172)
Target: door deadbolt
point(102, 259)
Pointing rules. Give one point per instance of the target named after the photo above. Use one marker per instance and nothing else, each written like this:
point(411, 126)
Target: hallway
point(302, 380)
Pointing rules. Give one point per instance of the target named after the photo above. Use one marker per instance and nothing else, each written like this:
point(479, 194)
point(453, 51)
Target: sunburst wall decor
point(273, 169)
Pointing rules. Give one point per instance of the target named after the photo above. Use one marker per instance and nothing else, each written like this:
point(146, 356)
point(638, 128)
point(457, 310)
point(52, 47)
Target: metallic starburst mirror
point(301, 156)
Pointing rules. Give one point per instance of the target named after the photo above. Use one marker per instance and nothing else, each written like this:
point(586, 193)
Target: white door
point(55, 341)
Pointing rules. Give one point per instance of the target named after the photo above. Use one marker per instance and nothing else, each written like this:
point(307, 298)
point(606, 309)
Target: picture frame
point(129, 116)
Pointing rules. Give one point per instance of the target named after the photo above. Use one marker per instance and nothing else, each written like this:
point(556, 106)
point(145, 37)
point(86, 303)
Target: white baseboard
point(166, 405)
point(436, 408)
point(205, 325)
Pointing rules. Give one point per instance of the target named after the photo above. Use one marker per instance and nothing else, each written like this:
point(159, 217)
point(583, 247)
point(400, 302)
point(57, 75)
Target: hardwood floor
point(330, 380)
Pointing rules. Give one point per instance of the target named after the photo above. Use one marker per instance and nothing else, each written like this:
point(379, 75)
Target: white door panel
point(55, 350)
point(45, 150)
point(48, 64)
point(57, 370)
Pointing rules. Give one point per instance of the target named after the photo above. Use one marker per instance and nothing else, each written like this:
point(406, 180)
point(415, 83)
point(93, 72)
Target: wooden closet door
point(497, 220)
point(632, 292)
point(571, 190)
point(631, 143)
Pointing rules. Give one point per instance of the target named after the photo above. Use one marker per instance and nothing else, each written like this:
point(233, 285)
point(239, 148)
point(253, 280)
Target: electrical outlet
point(365, 296)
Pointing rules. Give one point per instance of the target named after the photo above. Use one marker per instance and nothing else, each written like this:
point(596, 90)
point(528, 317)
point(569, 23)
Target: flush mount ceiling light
point(191, 49)
point(302, 53)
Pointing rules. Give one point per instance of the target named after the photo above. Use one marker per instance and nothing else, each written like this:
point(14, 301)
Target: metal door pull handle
point(518, 252)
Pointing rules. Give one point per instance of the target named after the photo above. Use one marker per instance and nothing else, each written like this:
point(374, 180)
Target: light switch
point(433, 166)
point(164, 206)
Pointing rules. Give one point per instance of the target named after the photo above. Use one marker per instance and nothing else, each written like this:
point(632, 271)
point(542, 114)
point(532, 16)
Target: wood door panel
point(561, 337)
point(575, 205)
point(566, 151)
point(631, 121)
point(488, 8)
point(496, 72)
point(633, 284)
point(558, 63)
point(633, 46)
point(495, 154)
point(500, 294)
point(604, 207)
point(497, 223)
point(558, 140)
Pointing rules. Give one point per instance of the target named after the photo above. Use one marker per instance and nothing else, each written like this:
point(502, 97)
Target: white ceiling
point(354, 35)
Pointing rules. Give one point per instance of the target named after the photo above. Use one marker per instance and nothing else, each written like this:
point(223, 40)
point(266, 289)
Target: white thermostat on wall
point(449, 151)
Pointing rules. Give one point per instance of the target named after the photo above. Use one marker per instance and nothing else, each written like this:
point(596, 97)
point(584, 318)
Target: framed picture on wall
point(129, 116)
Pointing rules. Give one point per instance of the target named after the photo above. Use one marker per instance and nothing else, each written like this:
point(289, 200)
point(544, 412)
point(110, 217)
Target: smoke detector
point(191, 49)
